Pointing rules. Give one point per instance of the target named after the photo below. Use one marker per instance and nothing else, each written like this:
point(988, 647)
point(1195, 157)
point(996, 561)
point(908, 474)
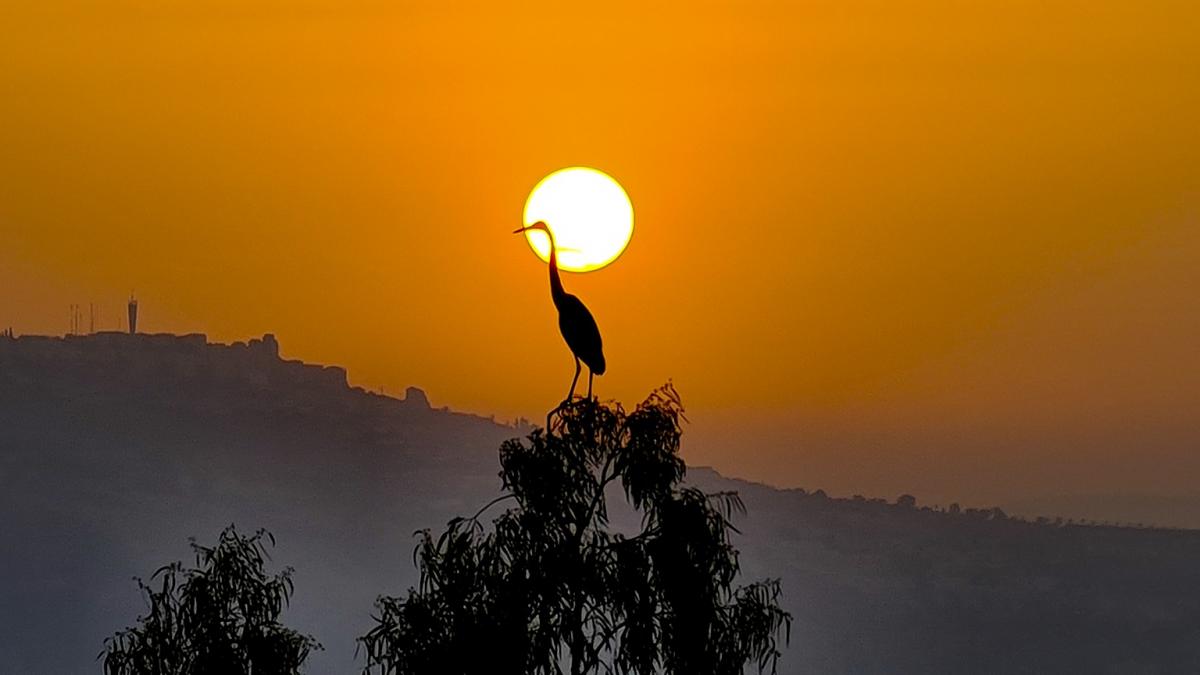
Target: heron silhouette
point(575, 322)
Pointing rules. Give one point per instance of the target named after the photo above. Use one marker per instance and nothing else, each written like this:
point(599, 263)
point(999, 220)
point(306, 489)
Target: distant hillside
point(894, 588)
point(115, 448)
point(1144, 510)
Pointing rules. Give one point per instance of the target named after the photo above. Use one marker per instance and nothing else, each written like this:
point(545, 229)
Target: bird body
point(575, 322)
point(579, 329)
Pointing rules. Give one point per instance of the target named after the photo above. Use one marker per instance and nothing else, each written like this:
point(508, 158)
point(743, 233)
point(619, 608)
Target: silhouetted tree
point(549, 588)
point(220, 617)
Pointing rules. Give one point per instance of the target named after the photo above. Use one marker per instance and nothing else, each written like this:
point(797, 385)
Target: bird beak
point(539, 225)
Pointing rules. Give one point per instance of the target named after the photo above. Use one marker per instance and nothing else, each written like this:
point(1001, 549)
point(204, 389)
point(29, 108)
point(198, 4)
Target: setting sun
point(589, 213)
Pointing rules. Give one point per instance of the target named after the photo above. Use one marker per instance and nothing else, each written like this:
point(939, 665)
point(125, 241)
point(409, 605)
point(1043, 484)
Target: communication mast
point(132, 314)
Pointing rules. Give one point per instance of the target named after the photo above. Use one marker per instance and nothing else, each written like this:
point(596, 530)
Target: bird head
point(539, 225)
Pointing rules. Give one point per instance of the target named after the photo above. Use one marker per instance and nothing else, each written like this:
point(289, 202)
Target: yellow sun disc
point(588, 212)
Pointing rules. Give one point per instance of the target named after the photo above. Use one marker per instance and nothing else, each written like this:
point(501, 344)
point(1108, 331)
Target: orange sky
point(947, 248)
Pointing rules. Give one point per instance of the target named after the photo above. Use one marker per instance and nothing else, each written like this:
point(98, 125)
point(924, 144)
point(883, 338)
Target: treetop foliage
point(219, 617)
point(549, 588)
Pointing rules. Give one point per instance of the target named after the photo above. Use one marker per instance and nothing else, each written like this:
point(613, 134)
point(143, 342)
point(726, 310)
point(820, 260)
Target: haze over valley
point(116, 448)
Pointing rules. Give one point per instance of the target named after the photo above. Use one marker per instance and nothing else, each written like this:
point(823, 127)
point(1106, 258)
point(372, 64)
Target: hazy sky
point(947, 248)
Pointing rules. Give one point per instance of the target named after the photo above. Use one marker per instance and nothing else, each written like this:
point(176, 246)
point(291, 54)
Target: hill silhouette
point(115, 448)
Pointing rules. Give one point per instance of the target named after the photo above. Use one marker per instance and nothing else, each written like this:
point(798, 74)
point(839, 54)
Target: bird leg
point(590, 376)
point(571, 394)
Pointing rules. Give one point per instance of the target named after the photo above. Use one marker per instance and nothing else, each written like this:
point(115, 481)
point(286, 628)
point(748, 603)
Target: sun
point(588, 212)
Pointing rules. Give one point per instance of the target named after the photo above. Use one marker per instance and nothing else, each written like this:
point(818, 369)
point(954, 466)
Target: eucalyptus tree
point(550, 587)
point(220, 617)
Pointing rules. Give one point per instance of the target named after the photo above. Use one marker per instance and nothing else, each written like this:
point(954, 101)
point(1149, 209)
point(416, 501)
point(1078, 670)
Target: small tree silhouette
point(549, 586)
point(220, 617)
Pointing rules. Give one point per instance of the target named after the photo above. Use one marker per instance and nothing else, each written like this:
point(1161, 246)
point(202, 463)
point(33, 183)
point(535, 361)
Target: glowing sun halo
point(588, 212)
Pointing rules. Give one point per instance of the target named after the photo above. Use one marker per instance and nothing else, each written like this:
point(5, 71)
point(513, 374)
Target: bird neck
point(556, 287)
